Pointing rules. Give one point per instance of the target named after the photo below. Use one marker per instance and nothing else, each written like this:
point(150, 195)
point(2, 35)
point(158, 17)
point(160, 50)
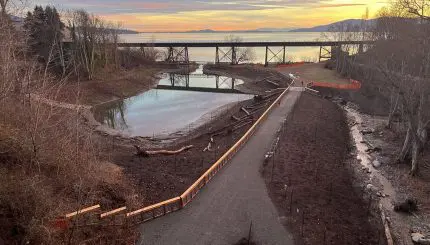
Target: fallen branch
point(257, 109)
point(143, 153)
point(243, 109)
point(265, 97)
point(256, 105)
point(273, 83)
point(235, 118)
point(386, 227)
point(242, 125)
point(209, 147)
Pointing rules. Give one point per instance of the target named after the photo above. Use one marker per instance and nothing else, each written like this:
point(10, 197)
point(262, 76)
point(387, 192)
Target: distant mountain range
point(255, 30)
point(18, 21)
point(322, 28)
point(355, 23)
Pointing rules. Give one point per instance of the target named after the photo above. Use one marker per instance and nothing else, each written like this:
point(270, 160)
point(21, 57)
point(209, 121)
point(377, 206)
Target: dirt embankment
point(396, 185)
point(109, 86)
point(254, 76)
point(312, 183)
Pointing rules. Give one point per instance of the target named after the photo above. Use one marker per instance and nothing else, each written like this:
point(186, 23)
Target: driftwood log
point(209, 147)
point(143, 153)
point(244, 110)
point(273, 83)
point(265, 97)
point(235, 118)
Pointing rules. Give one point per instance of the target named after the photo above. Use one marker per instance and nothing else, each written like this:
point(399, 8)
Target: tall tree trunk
point(390, 117)
point(406, 146)
point(416, 149)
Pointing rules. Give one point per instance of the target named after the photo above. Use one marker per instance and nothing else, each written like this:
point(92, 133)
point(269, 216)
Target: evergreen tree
point(45, 35)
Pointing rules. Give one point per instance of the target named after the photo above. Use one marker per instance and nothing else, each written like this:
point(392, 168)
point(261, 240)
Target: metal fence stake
point(291, 201)
point(249, 234)
point(303, 221)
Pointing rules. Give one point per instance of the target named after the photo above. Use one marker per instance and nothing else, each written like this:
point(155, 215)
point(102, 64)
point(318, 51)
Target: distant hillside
point(126, 31)
point(271, 30)
point(202, 31)
point(356, 23)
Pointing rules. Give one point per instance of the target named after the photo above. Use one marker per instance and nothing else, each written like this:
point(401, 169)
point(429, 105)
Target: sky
point(220, 15)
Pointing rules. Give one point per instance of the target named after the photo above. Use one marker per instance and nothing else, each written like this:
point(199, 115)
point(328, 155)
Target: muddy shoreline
point(159, 178)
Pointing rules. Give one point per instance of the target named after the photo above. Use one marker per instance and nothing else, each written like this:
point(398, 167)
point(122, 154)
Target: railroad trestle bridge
point(229, 52)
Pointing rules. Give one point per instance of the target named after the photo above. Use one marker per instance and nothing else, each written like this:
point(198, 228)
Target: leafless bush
point(402, 55)
point(94, 46)
point(242, 54)
point(130, 58)
point(50, 164)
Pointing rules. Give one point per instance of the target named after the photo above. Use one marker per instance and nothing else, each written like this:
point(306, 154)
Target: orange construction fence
point(291, 65)
point(353, 85)
point(176, 203)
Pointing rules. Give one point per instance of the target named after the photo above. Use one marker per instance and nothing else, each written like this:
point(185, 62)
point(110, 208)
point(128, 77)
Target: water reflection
point(198, 81)
point(184, 100)
point(112, 114)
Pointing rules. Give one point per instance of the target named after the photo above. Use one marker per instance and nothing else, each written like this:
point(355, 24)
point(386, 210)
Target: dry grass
point(109, 85)
point(49, 163)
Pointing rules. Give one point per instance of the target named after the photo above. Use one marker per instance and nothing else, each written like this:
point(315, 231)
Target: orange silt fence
point(291, 65)
point(353, 85)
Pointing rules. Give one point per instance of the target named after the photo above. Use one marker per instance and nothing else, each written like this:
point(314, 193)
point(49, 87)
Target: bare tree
point(242, 54)
point(3, 5)
point(94, 42)
point(402, 55)
point(417, 8)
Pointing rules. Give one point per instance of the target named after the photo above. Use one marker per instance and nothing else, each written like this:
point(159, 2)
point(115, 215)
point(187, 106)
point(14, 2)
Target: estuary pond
point(178, 103)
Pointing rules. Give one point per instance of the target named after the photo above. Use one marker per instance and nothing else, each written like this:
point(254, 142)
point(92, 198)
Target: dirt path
point(313, 72)
point(223, 211)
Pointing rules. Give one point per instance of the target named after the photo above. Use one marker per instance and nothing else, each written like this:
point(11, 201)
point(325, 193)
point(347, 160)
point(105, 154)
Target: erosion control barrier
point(353, 85)
point(176, 203)
point(291, 64)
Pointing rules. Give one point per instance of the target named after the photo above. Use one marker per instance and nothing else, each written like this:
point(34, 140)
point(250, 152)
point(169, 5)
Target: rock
point(379, 194)
point(367, 131)
point(419, 238)
point(376, 163)
point(407, 206)
point(375, 149)
point(370, 187)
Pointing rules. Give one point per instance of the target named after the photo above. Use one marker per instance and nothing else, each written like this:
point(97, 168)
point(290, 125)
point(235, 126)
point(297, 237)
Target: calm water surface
point(159, 112)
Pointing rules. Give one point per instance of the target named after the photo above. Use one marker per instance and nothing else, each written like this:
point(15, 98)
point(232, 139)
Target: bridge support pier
point(178, 55)
point(327, 54)
point(229, 56)
point(275, 55)
point(360, 48)
point(178, 79)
